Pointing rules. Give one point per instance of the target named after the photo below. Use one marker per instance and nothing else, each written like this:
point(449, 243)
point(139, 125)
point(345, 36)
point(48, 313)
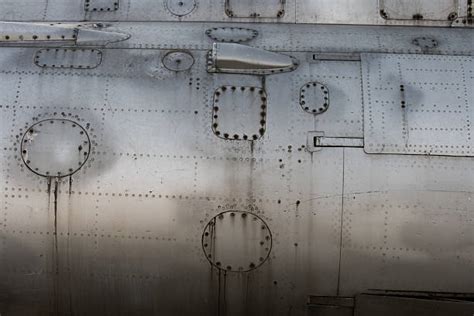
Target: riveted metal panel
point(101, 5)
point(307, 38)
point(135, 213)
point(275, 11)
point(125, 232)
point(418, 104)
point(255, 8)
point(407, 223)
point(68, 58)
point(419, 9)
point(239, 112)
point(342, 82)
point(231, 34)
point(436, 13)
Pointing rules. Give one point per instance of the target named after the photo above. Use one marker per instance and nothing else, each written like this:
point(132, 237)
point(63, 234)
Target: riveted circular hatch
point(180, 7)
point(237, 241)
point(55, 147)
point(178, 61)
point(314, 97)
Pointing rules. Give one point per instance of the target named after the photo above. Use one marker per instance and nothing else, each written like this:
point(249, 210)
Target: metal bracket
point(316, 141)
point(317, 57)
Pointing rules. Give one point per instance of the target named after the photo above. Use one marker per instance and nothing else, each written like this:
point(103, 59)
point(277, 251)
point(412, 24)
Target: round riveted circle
point(237, 241)
point(178, 61)
point(425, 42)
point(314, 97)
point(55, 147)
point(180, 7)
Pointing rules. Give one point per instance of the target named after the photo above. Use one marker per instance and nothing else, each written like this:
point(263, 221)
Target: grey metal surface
point(125, 234)
point(56, 34)
point(372, 12)
point(243, 59)
point(368, 305)
point(255, 8)
point(437, 10)
point(68, 58)
point(304, 38)
point(231, 34)
point(407, 223)
point(239, 112)
point(418, 104)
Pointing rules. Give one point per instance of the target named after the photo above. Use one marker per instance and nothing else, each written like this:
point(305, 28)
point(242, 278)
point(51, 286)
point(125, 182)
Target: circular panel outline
point(320, 109)
point(252, 266)
point(31, 129)
point(176, 11)
point(169, 58)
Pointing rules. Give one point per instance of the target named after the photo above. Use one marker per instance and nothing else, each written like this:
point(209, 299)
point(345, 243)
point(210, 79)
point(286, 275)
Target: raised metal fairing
point(97, 34)
point(241, 59)
point(36, 34)
point(42, 34)
point(231, 34)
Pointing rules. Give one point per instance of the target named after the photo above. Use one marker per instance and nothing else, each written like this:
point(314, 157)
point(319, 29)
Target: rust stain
point(70, 184)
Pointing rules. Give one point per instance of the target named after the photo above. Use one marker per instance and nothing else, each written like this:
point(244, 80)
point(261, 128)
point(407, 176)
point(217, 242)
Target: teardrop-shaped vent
point(231, 34)
point(242, 59)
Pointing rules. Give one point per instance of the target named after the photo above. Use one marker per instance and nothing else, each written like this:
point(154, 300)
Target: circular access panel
point(55, 147)
point(180, 7)
point(314, 97)
point(178, 61)
point(236, 241)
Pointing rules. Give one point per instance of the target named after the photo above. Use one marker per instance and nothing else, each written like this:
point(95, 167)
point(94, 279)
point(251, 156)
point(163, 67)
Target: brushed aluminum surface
point(362, 12)
point(418, 104)
point(124, 234)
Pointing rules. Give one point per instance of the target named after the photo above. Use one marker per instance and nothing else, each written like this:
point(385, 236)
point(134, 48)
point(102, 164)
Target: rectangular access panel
point(418, 104)
point(255, 8)
point(434, 10)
